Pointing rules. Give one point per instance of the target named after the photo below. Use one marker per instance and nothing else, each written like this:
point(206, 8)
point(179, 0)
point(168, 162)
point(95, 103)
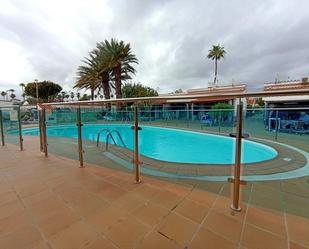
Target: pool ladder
point(110, 135)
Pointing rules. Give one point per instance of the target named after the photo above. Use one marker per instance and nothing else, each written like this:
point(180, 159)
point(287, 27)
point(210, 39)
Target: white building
point(287, 101)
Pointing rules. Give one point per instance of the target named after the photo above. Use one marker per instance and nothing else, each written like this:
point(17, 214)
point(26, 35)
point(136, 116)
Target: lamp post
point(37, 91)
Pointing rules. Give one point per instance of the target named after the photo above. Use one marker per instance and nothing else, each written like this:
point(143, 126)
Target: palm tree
point(119, 57)
point(3, 93)
point(89, 74)
point(63, 93)
point(107, 65)
point(11, 91)
point(72, 95)
point(22, 85)
point(216, 53)
point(12, 96)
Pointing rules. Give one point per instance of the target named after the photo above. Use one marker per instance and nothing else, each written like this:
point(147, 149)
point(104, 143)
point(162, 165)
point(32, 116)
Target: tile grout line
point(206, 216)
point(81, 218)
point(245, 219)
point(30, 215)
point(154, 228)
point(285, 217)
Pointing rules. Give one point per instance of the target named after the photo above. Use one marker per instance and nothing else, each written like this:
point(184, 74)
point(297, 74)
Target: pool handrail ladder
point(110, 134)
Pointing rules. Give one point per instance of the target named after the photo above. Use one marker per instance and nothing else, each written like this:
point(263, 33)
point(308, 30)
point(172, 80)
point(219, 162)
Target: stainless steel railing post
point(80, 139)
point(237, 167)
point(2, 129)
point(277, 125)
point(21, 145)
point(43, 132)
point(136, 161)
point(40, 128)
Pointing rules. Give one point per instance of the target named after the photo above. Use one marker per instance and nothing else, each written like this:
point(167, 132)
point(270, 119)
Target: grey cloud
point(171, 39)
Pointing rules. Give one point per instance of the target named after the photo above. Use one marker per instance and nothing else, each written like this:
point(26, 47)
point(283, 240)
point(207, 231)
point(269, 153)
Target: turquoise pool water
point(172, 145)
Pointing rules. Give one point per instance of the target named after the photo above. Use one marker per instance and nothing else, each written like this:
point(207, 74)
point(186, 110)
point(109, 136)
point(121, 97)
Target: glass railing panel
point(108, 137)
point(278, 174)
point(61, 129)
point(10, 124)
point(29, 116)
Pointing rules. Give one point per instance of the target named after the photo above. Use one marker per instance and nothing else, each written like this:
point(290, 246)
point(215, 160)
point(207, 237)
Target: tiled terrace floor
point(50, 203)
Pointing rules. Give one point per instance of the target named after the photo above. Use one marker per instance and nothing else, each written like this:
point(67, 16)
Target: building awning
point(203, 100)
point(286, 98)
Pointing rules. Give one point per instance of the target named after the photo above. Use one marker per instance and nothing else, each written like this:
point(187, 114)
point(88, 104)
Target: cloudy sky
point(45, 40)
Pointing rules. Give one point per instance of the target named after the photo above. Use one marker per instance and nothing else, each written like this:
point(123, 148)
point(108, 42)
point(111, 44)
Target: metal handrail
point(110, 134)
point(98, 137)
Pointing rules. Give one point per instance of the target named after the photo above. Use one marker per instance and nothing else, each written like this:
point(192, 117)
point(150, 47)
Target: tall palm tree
point(105, 67)
point(63, 93)
point(119, 59)
point(12, 96)
point(88, 75)
point(72, 95)
point(216, 53)
point(3, 93)
point(22, 85)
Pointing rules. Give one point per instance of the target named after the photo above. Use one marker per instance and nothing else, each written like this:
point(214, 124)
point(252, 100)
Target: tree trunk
point(105, 86)
point(117, 74)
point(106, 89)
point(216, 73)
point(92, 94)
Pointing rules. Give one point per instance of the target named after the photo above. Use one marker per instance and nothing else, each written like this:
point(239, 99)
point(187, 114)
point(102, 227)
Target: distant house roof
point(241, 88)
point(219, 89)
point(287, 85)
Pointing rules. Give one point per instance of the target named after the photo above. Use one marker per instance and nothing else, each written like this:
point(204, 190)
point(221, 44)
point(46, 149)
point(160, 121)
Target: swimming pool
point(171, 145)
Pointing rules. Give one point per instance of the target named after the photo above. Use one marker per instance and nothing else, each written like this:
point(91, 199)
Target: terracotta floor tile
point(101, 243)
point(13, 223)
point(150, 213)
point(7, 197)
point(11, 208)
point(42, 209)
point(254, 238)
point(27, 236)
point(272, 221)
point(157, 241)
point(75, 236)
point(298, 229)
point(85, 208)
point(297, 246)
point(102, 219)
point(89, 206)
point(96, 185)
point(127, 233)
point(206, 239)
point(112, 193)
point(167, 199)
point(30, 189)
point(223, 225)
point(178, 228)
point(129, 201)
point(202, 197)
point(41, 245)
point(5, 188)
point(181, 190)
point(57, 221)
point(38, 197)
point(145, 191)
point(192, 210)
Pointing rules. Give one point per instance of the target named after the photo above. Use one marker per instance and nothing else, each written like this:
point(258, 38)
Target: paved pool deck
point(51, 203)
